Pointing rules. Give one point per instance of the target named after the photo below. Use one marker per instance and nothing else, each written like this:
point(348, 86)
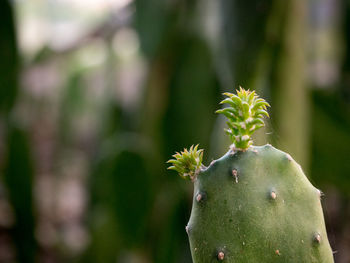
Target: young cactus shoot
point(254, 204)
point(245, 115)
point(187, 163)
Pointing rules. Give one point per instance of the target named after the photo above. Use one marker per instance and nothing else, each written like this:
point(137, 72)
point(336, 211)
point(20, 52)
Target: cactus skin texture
point(254, 204)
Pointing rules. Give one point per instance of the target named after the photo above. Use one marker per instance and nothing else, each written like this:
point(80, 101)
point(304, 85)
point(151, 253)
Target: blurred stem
point(18, 165)
point(290, 95)
point(156, 99)
point(346, 58)
point(262, 76)
point(18, 177)
point(9, 58)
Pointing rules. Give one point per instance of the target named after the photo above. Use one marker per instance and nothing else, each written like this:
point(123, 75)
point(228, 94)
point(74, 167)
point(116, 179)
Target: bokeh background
point(96, 95)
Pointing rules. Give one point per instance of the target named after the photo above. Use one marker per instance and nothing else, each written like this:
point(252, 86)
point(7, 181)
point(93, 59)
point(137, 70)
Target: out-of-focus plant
point(17, 172)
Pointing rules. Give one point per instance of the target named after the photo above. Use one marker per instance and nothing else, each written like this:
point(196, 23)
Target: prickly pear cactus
point(254, 204)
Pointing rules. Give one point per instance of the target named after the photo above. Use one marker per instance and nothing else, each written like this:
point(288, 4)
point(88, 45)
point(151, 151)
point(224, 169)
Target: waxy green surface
point(266, 211)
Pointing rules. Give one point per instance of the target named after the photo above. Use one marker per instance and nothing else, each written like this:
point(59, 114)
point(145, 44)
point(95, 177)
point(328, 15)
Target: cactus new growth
point(245, 116)
point(254, 204)
point(187, 163)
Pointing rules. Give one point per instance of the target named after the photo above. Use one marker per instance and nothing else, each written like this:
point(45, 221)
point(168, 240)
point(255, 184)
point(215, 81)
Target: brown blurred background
point(95, 96)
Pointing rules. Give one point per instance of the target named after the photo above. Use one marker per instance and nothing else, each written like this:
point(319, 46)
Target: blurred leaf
point(72, 103)
point(18, 177)
point(122, 195)
point(152, 20)
point(193, 97)
point(244, 32)
point(9, 58)
point(173, 244)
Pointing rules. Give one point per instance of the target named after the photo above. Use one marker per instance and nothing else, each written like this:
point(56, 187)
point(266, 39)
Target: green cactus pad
point(187, 163)
point(245, 115)
point(254, 204)
point(258, 207)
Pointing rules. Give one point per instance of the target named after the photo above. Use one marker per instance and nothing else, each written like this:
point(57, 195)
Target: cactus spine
point(254, 204)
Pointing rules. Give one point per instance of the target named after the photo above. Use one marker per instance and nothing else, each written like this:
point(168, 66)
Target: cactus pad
point(254, 204)
point(258, 207)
